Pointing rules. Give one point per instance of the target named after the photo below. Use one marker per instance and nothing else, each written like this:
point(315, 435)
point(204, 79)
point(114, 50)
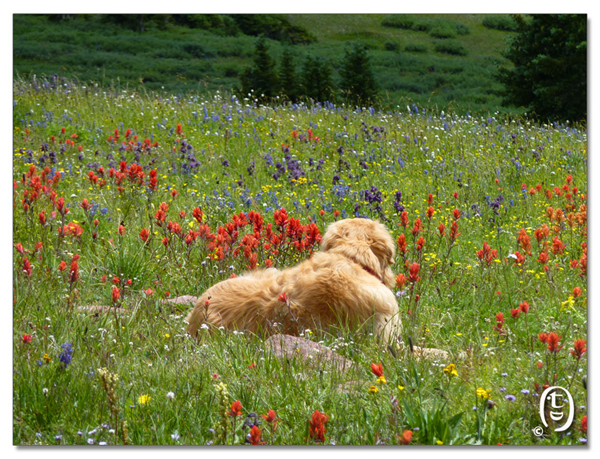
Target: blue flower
point(66, 354)
point(525, 391)
point(510, 398)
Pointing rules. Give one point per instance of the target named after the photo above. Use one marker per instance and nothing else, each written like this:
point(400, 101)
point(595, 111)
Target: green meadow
point(124, 198)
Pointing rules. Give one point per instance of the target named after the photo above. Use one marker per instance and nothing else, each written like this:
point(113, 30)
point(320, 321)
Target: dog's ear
point(361, 253)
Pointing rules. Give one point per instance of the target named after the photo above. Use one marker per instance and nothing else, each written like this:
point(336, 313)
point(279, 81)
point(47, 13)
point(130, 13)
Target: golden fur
point(348, 282)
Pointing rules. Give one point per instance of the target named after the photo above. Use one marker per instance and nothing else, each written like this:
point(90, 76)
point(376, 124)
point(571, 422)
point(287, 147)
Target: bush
point(443, 29)
point(391, 46)
point(415, 48)
point(274, 26)
point(452, 47)
point(398, 21)
point(196, 50)
point(502, 22)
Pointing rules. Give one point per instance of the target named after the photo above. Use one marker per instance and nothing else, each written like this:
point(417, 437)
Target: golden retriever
point(349, 283)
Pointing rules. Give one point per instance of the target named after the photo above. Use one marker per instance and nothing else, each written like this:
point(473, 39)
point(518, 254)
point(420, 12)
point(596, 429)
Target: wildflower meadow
point(124, 201)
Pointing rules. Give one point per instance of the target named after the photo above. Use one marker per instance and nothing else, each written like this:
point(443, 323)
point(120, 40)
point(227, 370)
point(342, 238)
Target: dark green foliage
point(500, 22)
point(261, 77)
point(139, 22)
point(195, 53)
point(415, 48)
point(398, 21)
point(443, 29)
point(358, 85)
point(217, 23)
point(436, 27)
point(274, 26)
point(391, 46)
point(287, 76)
point(316, 80)
point(549, 76)
point(451, 47)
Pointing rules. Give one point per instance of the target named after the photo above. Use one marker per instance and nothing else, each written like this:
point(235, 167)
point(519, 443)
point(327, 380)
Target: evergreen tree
point(316, 79)
point(358, 85)
point(287, 76)
point(549, 77)
point(262, 75)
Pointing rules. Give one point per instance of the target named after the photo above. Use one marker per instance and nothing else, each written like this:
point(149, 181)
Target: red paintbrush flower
point(116, 294)
point(317, 426)
point(579, 348)
point(236, 409)
point(255, 436)
point(377, 369)
point(413, 273)
point(553, 341)
point(144, 234)
point(442, 229)
point(400, 280)
point(27, 269)
point(406, 437)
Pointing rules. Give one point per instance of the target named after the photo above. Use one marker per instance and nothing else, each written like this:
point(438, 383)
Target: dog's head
point(365, 242)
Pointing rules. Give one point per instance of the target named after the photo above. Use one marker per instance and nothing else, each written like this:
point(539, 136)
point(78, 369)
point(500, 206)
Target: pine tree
point(316, 80)
point(358, 85)
point(549, 76)
point(261, 76)
point(287, 76)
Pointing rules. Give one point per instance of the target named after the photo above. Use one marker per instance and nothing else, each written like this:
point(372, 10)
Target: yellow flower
point(373, 390)
point(401, 388)
point(167, 335)
point(47, 358)
point(483, 393)
point(381, 380)
point(450, 370)
point(143, 399)
point(567, 304)
point(439, 442)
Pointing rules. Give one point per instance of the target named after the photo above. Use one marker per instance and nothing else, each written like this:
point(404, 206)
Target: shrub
point(502, 22)
point(443, 29)
point(452, 47)
point(398, 21)
point(391, 46)
point(415, 48)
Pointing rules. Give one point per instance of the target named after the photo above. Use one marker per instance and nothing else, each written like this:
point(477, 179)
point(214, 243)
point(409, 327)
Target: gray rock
point(185, 299)
point(287, 346)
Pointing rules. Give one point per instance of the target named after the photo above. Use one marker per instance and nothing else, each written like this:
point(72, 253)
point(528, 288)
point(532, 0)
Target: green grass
point(464, 162)
point(180, 59)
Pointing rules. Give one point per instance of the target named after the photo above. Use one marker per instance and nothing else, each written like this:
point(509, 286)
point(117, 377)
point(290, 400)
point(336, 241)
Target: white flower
point(170, 395)
point(45, 391)
point(204, 327)
point(90, 441)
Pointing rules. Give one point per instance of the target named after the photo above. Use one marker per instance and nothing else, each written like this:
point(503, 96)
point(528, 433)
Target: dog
point(348, 282)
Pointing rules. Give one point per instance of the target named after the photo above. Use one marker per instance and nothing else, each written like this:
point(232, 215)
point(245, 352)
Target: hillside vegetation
point(438, 61)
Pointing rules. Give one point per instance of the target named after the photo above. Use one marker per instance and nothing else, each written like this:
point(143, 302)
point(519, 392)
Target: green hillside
point(439, 61)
